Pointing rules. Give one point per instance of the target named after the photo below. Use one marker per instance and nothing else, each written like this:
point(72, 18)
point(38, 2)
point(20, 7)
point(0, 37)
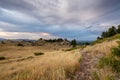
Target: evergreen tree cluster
point(111, 32)
point(74, 43)
point(53, 40)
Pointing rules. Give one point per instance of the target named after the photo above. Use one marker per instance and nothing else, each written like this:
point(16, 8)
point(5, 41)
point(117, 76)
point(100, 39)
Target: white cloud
point(45, 34)
point(1, 30)
point(25, 35)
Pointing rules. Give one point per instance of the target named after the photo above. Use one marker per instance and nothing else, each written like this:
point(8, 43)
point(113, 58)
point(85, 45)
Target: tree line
point(72, 42)
point(53, 40)
point(110, 32)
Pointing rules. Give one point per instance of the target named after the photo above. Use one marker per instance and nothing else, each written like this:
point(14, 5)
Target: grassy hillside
point(105, 63)
point(55, 61)
point(108, 39)
point(22, 63)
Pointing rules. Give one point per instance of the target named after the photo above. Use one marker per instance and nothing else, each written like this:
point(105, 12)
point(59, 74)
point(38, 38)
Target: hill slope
point(117, 36)
point(92, 55)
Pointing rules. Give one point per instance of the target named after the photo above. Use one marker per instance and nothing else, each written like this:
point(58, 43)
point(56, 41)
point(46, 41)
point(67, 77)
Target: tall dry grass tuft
point(101, 48)
point(105, 74)
point(58, 66)
point(97, 52)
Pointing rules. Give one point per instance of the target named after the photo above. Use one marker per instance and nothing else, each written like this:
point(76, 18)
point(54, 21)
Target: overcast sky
point(72, 19)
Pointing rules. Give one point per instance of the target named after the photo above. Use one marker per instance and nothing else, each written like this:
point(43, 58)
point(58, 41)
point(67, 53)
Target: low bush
point(30, 57)
point(95, 76)
point(115, 65)
point(20, 44)
point(110, 62)
point(104, 61)
point(2, 58)
point(116, 52)
point(113, 60)
point(71, 49)
point(38, 53)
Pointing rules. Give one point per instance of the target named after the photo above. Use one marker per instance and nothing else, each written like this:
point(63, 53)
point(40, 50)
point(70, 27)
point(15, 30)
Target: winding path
point(87, 66)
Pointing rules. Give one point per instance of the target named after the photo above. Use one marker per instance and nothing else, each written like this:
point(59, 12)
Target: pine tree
point(112, 31)
point(74, 43)
point(98, 38)
point(104, 34)
point(118, 30)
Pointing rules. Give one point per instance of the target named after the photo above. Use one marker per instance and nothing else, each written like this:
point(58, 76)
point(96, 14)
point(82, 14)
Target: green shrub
point(110, 62)
point(104, 61)
point(116, 52)
point(20, 44)
point(38, 53)
point(110, 78)
point(74, 43)
point(95, 76)
point(115, 65)
point(2, 58)
point(30, 57)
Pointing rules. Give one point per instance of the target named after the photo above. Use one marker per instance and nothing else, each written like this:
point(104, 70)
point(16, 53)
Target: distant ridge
point(17, 39)
point(22, 39)
point(2, 39)
point(84, 42)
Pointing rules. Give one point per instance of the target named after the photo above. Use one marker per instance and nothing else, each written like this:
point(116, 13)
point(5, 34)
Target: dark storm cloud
point(15, 5)
point(109, 3)
point(102, 7)
point(59, 17)
point(107, 8)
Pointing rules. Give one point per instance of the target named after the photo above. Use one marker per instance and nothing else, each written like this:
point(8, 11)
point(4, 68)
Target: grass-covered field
point(27, 63)
point(61, 62)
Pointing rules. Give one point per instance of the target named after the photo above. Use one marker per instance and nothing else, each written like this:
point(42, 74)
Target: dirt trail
point(87, 67)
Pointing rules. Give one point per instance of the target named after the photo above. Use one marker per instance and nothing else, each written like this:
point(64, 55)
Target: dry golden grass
point(98, 51)
point(105, 73)
point(54, 65)
point(101, 48)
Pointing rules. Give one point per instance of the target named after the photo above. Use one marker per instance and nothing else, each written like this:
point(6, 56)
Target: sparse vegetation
point(70, 49)
point(2, 58)
point(20, 44)
point(2, 42)
point(38, 53)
